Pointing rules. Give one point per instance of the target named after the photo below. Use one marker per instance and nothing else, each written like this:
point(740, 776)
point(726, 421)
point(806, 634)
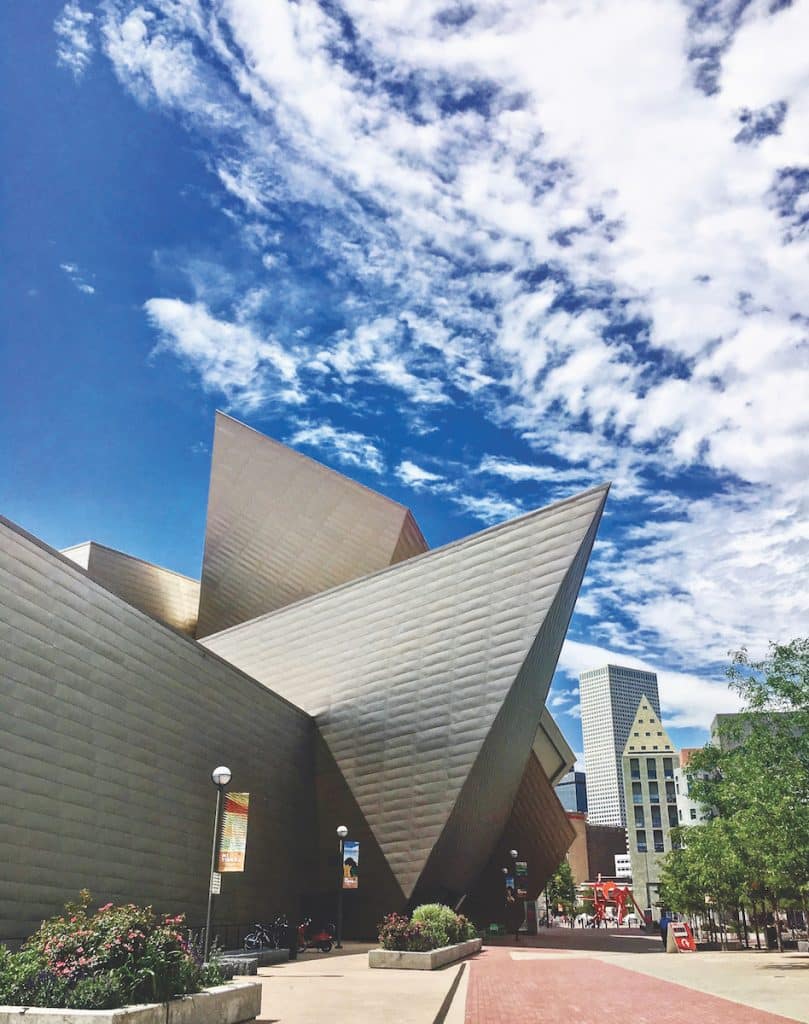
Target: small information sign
point(680, 938)
point(216, 883)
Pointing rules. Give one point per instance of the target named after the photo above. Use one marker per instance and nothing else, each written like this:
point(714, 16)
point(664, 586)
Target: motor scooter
point(322, 939)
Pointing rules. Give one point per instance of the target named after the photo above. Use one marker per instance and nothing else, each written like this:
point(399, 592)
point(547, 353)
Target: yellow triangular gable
point(647, 735)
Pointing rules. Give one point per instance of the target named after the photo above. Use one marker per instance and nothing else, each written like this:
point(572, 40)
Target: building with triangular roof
point(651, 802)
point(345, 673)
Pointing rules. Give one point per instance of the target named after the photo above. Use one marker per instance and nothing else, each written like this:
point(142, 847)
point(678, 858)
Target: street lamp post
point(342, 832)
point(513, 855)
point(220, 777)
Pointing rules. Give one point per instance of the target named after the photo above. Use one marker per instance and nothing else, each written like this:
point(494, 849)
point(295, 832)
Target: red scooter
point(309, 939)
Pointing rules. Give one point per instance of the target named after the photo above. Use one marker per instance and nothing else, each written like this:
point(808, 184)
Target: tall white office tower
point(609, 699)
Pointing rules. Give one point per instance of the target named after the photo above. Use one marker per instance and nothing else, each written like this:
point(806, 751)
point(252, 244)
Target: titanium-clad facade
point(429, 679)
point(282, 527)
point(379, 685)
point(165, 595)
point(110, 725)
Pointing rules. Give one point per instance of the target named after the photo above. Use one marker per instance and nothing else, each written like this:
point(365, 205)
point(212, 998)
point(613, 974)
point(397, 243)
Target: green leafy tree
point(561, 889)
point(755, 784)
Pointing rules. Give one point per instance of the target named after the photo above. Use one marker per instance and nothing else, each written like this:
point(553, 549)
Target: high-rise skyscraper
point(609, 699)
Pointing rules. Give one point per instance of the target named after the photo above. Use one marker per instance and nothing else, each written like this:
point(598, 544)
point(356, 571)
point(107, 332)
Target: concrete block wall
point(110, 725)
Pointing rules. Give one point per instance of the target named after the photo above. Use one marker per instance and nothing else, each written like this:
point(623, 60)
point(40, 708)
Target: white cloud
point(347, 446)
point(74, 49)
point(687, 700)
point(488, 508)
point(554, 226)
point(231, 358)
point(76, 278)
point(415, 476)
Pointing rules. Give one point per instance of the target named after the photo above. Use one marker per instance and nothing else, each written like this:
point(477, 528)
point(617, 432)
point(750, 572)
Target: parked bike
point(308, 938)
point(268, 936)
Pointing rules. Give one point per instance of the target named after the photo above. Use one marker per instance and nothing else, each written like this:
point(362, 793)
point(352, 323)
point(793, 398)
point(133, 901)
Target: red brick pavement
point(578, 990)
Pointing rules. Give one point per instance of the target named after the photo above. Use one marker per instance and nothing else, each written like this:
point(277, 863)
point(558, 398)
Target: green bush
point(101, 961)
point(439, 922)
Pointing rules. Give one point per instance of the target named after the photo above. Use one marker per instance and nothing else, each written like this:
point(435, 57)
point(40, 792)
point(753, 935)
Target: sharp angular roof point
point(428, 680)
point(282, 527)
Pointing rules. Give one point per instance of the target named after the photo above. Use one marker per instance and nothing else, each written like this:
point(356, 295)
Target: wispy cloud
point(415, 476)
point(489, 508)
point(687, 700)
point(231, 357)
point(347, 446)
point(76, 278)
point(74, 49)
point(609, 268)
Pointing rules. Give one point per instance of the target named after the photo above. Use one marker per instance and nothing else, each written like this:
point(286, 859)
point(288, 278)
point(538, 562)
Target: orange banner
point(233, 835)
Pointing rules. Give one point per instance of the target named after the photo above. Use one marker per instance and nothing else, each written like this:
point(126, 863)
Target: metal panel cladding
point(161, 593)
point(428, 679)
point(281, 527)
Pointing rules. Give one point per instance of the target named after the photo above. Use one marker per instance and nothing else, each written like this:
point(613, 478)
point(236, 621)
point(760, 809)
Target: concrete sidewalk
point(341, 987)
point(547, 982)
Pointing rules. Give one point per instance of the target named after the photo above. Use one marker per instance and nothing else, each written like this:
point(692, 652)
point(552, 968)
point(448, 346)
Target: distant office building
point(623, 865)
point(572, 792)
point(609, 699)
point(594, 848)
point(689, 812)
point(651, 797)
point(730, 731)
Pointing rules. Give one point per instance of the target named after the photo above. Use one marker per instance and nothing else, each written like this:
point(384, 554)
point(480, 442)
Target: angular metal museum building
point(346, 674)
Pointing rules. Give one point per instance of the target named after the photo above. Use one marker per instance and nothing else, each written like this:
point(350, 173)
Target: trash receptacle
point(292, 941)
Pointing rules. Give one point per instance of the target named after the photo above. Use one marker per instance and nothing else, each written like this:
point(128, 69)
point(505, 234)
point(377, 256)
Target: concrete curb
point(235, 1003)
point(397, 959)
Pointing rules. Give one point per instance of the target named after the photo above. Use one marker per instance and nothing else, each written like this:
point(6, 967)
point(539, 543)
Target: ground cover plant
point(431, 926)
point(113, 957)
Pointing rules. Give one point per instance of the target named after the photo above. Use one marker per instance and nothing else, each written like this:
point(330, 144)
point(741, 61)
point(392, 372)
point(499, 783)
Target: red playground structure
point(606, 892)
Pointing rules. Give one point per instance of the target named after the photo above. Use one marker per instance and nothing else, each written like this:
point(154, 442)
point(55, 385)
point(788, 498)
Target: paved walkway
point(339, 989)
point(526, 986)
point(556, 978)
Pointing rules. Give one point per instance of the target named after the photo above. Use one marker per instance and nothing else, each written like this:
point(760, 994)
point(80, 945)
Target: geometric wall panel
point(428, 679)
point(282, 526)
point(161, 593)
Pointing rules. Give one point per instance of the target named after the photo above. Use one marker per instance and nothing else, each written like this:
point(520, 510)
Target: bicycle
point(260, 938)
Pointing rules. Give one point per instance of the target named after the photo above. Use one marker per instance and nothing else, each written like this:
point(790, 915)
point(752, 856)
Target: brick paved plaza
point(562, 977)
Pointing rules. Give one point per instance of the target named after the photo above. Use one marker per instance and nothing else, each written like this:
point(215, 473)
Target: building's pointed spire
point(647, 735)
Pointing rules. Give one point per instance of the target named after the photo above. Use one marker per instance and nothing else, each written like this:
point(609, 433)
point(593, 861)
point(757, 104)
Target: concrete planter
point(404, 961)
point(235, 1003)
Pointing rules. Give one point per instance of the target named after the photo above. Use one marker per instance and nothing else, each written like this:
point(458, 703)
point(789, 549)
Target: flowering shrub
point(114, 957)
point(431, 926)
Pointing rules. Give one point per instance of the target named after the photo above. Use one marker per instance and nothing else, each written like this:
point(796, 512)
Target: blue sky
point(478, 256)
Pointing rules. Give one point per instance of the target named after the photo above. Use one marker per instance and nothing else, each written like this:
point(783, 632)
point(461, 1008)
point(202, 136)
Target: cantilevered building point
point(282, 527)
point(345, 672)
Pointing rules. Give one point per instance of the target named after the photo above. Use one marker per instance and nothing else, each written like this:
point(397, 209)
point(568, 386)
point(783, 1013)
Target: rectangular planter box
point(401, 960)
point(234, 1003)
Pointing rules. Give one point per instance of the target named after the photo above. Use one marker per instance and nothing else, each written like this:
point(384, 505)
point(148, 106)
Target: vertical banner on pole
point(233, 837)
point(522, 879)
point(351, 864)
